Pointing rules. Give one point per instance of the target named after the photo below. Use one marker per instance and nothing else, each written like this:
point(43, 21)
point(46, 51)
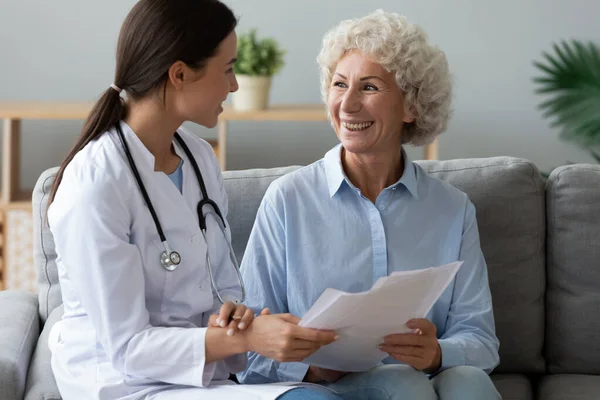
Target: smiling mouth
point(357, 127)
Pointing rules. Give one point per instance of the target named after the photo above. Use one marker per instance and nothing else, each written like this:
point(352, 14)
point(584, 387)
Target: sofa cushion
point(44, 255)
point(573, 299)
point(513, 386)
point(41, 384)
point(570, 387)
point(19, 329)
point(508, 194)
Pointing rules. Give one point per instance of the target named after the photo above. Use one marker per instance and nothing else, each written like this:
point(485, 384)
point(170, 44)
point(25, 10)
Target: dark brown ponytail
point(155, 35)
point(105, 114)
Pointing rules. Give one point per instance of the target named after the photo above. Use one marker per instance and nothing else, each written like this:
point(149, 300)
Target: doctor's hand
point(420, 350)
point(279, 338)
point(233, 317)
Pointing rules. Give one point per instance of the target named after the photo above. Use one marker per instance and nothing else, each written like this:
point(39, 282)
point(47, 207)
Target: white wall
point(64, 50)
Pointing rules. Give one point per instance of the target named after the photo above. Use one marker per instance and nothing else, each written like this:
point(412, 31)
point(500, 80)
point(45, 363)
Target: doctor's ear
point(179, 74)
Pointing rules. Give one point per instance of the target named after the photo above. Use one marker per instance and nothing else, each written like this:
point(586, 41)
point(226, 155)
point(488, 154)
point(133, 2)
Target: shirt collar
point(334, 170)
point(409, 176)
point(336, 176)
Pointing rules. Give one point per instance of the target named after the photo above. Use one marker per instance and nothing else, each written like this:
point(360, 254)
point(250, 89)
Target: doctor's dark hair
point(154, 35)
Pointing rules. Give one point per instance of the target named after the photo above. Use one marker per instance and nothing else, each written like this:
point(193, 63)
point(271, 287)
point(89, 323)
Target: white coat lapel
point(170, 205)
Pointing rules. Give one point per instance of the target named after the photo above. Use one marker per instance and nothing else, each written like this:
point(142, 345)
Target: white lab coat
point(130, 328)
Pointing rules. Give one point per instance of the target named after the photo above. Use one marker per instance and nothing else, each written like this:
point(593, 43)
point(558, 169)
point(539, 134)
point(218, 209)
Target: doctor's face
point(202, 98)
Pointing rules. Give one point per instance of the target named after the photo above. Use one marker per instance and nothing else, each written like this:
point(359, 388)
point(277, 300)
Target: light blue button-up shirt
point(315, 230)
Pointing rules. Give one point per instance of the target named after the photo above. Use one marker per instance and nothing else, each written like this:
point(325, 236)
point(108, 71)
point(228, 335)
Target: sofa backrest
point(573, 269)
point(508, 194)
point(44, 254)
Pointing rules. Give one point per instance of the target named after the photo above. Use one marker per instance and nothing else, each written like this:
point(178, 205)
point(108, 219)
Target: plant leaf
point(258, 57)
point(571, 77)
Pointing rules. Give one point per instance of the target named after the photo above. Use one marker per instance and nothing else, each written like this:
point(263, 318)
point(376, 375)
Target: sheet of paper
point(363, 319)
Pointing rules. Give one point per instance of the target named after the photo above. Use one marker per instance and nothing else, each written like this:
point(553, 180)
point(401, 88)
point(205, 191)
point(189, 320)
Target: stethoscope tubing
point(201, 217)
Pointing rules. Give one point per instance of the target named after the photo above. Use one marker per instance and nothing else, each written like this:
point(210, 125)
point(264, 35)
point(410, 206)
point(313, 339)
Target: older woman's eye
point(370, 87)
point(339, 84)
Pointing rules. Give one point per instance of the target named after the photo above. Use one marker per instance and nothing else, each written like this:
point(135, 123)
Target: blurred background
point(65, 51)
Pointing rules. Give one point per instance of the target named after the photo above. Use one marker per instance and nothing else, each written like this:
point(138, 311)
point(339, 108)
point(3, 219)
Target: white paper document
point(363, 319)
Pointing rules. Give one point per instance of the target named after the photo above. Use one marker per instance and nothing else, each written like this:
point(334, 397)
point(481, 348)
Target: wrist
point(242, 341)
point(246, 337)
point(236, 344)
point(437, 364)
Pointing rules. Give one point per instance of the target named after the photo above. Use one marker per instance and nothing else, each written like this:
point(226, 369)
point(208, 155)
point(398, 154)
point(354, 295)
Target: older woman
point(365, 210)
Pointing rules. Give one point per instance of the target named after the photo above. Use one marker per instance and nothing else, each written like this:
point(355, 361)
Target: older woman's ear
point(410, 115)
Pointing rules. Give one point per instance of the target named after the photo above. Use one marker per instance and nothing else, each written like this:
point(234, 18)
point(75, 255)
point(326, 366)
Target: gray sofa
point(541, 240)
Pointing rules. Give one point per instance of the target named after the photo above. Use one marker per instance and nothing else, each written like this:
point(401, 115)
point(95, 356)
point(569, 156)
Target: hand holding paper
point(420, 350)
point(364, 319)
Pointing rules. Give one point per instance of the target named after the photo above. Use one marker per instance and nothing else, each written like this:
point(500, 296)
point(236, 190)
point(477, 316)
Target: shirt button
point(382, 208)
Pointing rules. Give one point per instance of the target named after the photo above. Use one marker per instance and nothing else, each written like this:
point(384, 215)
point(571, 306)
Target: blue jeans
point(309, 394)
point(401, 382)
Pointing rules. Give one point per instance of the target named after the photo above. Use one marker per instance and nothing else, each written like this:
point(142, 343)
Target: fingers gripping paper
point(363, 319)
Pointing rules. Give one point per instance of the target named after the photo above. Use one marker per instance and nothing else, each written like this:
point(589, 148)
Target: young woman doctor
point(150, 286)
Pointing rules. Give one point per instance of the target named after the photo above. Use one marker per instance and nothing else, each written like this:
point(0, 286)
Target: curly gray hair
point(420, 69)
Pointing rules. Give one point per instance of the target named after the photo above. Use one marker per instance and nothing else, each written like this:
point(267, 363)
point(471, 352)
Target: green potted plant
point(257, 62)
point(571, 76)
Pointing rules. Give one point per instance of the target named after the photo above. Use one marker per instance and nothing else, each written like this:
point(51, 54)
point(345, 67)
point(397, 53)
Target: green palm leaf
point(571, 79)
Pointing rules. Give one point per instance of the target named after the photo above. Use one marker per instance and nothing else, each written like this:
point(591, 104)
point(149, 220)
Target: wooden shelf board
point(44, 110)
point(74, 110)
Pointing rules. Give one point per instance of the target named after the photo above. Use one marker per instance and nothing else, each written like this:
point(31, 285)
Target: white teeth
point(357, 127)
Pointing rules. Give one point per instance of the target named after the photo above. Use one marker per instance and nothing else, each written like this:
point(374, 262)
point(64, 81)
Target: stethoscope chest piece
point(170, 260)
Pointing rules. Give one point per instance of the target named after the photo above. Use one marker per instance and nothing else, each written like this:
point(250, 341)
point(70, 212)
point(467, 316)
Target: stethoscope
point(170, 260)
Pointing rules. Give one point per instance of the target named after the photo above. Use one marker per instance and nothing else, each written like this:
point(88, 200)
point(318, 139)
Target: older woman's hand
point(279, 337)
point(420, 350)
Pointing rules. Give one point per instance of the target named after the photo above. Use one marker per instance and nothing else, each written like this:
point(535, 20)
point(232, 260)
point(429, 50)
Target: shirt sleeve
point(264, 272)
point(470, 338)
point(90, 221)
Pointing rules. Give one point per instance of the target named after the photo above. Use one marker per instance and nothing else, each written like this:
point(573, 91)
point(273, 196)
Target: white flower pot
point(253, 93)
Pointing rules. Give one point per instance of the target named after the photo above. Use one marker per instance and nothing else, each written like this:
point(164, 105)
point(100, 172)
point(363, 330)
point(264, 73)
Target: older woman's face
point(366, 105)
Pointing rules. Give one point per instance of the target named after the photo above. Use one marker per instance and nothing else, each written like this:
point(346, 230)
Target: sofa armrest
point(19, 331)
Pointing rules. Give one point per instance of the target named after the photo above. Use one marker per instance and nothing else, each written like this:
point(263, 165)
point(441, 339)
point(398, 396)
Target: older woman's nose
point(351, 102)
